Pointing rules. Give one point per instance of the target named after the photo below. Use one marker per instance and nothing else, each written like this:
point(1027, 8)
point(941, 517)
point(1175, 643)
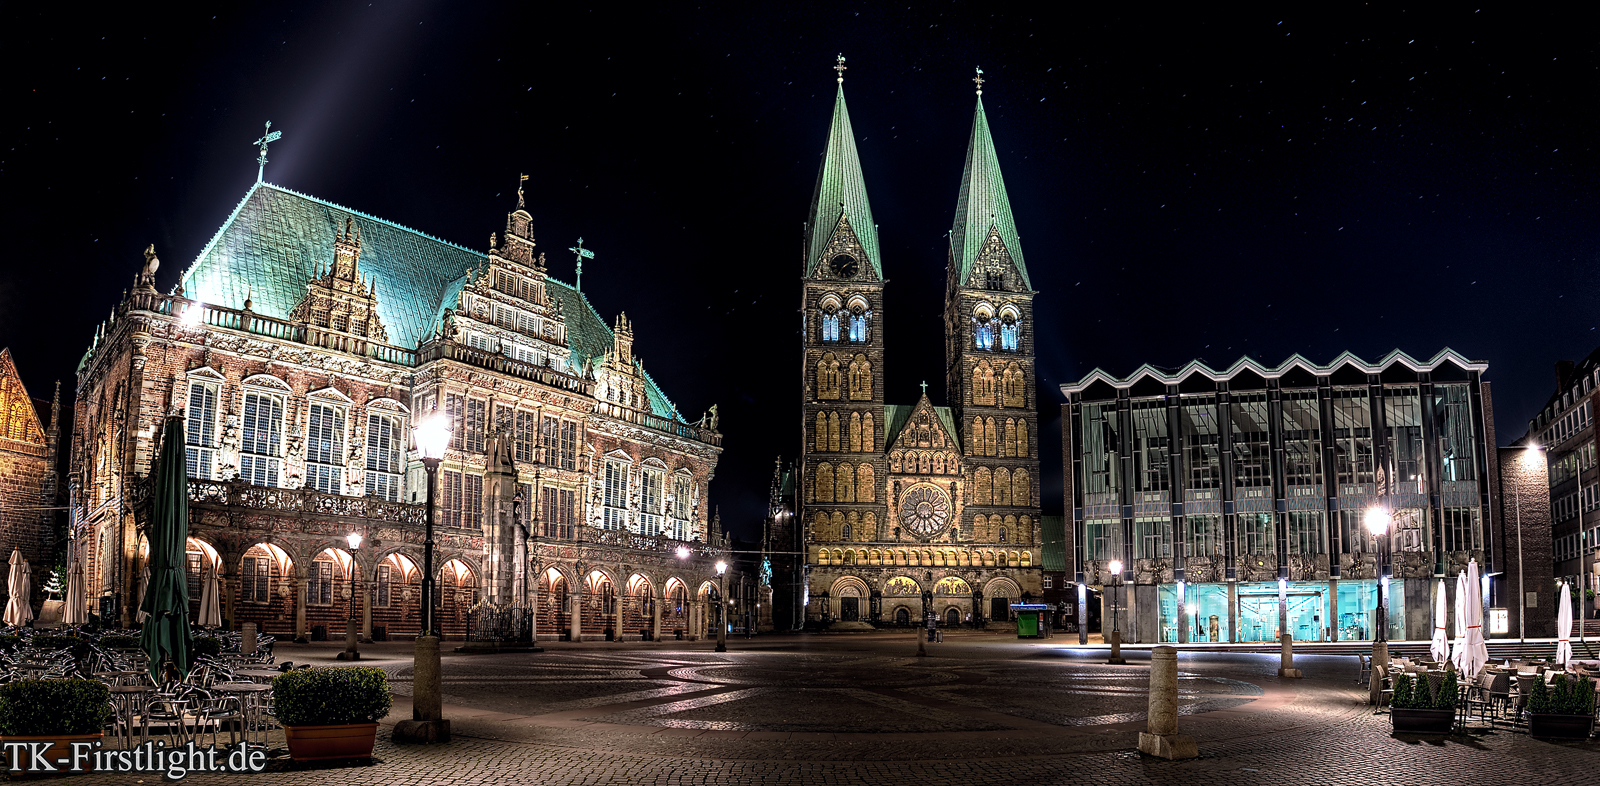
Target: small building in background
point(29, 487)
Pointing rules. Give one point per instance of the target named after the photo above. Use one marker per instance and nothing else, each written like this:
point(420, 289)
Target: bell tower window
point(1008, 333)
point(858, 324)
point(830, 322)
point(983, 333)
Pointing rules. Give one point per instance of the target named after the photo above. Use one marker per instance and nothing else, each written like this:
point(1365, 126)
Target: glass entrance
point(1259, 618)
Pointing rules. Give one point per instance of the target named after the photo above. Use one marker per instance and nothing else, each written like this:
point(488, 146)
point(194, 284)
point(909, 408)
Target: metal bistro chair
point(213, 711)
point(1363, 668)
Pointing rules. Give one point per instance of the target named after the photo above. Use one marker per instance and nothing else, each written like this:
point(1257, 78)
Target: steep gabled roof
point(840, 191)
point(898, 415)
point(982, 204)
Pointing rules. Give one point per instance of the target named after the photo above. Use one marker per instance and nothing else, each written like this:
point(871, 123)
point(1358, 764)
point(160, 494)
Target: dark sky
point(1367, 178)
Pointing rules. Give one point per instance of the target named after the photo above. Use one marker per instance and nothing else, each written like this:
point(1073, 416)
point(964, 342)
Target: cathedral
point(298, 349)
point(915, 510)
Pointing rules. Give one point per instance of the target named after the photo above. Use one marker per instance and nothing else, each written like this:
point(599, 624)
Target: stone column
point(655, 617)
point(300, 633)
point(1333, 609)
point(1161, 737)
point(366, 609)
point(1380, 664)
point(427, 723)
point(1183, 614)
point(576, 598)
point(617, 626)
point(230, 589)
point(1233, 612)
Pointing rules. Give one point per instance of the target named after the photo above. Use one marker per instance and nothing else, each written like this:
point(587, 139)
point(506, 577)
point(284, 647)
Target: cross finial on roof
point(267, 137)
point(924, 387)
point(978, 80)
point(839, 66)
point(519, 191)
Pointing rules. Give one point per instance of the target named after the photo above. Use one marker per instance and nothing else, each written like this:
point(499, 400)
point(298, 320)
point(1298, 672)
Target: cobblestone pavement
point(862, 709)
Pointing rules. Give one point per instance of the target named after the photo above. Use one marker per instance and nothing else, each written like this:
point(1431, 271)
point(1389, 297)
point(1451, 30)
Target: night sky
point(1205, 186)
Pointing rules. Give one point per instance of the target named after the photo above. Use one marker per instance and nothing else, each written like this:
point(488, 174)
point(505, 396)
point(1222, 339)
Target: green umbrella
point(166, 600)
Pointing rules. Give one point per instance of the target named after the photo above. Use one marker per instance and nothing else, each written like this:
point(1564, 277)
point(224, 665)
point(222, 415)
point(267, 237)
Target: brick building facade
point(300, 346)
point(29, 490)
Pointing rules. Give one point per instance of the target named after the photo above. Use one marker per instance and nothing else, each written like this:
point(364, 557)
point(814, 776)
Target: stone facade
point(28, 482)
point(572, 490)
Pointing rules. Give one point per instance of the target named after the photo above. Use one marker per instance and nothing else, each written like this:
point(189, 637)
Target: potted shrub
point(1414, 710)
point(117, 641)
point(1562, 710)
point(331, 713)
point(58, 711)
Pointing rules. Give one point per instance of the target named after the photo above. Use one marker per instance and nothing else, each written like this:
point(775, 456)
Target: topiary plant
point(1539, 697)
point(1404, 692)
point(1449, 691)
point(1581, 699)
point(41, 708)
point(326, 697)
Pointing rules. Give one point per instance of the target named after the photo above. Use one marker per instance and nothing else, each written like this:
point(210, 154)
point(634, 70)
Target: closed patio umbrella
point(1441, 645)
point(1477, 653)
point(144, 586)
point(76, 611)
point(166, 634)
point(1460, 646)
point(18, 609)
point(210, 603)
point(1564, 626)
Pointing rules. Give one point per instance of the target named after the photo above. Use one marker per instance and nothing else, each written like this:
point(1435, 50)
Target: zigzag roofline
point(1346, 358)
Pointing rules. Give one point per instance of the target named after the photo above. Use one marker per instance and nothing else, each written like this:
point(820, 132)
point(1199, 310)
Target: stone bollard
point(426, 724)
point(1116, 648)
point(350, 650)
point(1380, 664)
point(247, 639)
point(1286, 666)
point(1162, 738)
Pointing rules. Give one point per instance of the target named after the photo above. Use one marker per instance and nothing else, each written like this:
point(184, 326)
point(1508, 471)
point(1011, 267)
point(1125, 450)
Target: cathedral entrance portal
point(849, 609)
point(952, 617)
point(902, 617)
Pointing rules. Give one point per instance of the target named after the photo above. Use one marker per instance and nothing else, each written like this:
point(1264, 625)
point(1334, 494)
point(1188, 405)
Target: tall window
point(569, 444)
point(319, 585)
point(200, 430)
point(860, 379)
point(1204, 536)
point(524, 441)
point(559, 512)
point(651, 493)
point(451, 492)
point(1402, 415)
point(192, 576)
point(1153, 537)
point(682, 504)
point(325, 449)
point(261, 439)
point(1461, 529)
point(983, 331)
point(1306, 531)
point(256, 581)
point(1103, 538)
point(453, 411)
point(1256, 535)
point(1352, 440)
point(616, 496)
point(381, 590)
point(1453, 403)
point(1100, 448)
point(1202, 462)
point(1252, 452)
point(476, 411)
point(1149, 445)
point(1302, 443)
point(1009, 331)
point(830, 322)
point(383, 457)
point(858, 324)
point(472, 501)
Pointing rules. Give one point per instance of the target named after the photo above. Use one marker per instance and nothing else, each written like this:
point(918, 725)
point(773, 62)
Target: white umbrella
point(77, 607)
point(210, 605)
point(144, 584)
point(1460, 647)
point(1441, 645)
point(18, 609)
point(1564, 626)
point(1477, 653)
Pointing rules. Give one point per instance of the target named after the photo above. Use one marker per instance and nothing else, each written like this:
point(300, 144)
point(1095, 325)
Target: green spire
point(983, 205)
point(841, 192)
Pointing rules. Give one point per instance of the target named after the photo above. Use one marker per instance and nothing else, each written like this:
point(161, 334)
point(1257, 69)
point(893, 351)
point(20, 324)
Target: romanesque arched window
point(1000, 537)
point(1002, 486)
point(983, 487)
point(983, 385)
point(1009, 443)
point(1021, 489)
point(833, 431)
point(1010, 332)
point(865, 491)
point(1023, 451)
point(983, 329)
point(828, 377)
point(845, 486)
point(860, 379)
point(855, 432)
point(847, 534)
point(1012, 387)
point(869, 433)
point(829, 315)
point(859, 315)
point(838, 524)
point(822, 431)
point(824, 482)
point(990, 444)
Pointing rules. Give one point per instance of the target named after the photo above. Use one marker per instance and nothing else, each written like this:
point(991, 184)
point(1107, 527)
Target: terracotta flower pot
point(62, 747)
point(341, 741)
point(1560, 726)
point(1416, 721)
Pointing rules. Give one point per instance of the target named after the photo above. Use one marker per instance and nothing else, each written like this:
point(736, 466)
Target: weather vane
point(838, 65)
point(979, 81)
point(583, 253)
point(519, 191)
point(267, 138)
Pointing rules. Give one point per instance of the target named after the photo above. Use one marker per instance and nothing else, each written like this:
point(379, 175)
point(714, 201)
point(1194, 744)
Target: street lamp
point(351, 651)
point(1378, 521)
point(722, 613)
point(1116, 570)
point(432, 434)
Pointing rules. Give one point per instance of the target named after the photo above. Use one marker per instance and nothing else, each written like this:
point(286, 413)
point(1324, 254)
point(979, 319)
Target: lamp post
point(722, 613)
point(1378, 521)
point(1116, 632)
point(351, 650)
point(427, 724)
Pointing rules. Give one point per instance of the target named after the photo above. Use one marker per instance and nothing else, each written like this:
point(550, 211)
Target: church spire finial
point(978, 80)
point(267, 137)
point(839, 67)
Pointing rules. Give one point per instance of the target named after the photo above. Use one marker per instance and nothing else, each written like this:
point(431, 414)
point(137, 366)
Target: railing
point(630, 540)
point(246, 495)
point(450, 350)
point(653, 421)
point(500, 626)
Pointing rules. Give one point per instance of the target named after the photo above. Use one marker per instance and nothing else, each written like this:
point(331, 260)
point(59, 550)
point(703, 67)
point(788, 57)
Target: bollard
point(1286, 666)
point(1162, 738)
point(1116, 649)
point(427, 724)
point(1380, 664)
point(350, 651)
point(247, 639)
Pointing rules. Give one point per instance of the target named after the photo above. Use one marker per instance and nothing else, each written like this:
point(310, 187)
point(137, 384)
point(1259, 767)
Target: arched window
point(990, 444)
point(983, 385)
point(865, 491)
point(849, 557)
point(822, 557)
point(848, 533)
point(1002, 559)
point(869, 434)
point(858, 323)
point(828, 377)
point(824, 482)
point(869, 525)
point(1022, 439)
point(1012, 386)
point(1002, 486)
point(822, 431)
point(1021, 489)
point(855, 432)
point(830, 321)
point(980, 524)
point(838, 557)
point(860, 379)
point(1000, 536)
point(833, 431)
point(983, 331)
point(983, 491)
point(1008, 333)
point(838, 524)
point(1009, 444)
point(845, 487)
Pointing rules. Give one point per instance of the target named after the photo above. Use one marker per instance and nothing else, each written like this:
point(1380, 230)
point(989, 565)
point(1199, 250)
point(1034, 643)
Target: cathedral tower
point(989, 352)
point(843, 463)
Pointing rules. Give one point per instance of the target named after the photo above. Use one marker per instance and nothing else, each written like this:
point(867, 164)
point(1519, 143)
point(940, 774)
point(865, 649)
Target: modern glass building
point(1236, 499)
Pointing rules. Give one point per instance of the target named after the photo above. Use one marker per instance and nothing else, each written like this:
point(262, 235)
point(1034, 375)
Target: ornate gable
point(337, 298)
point(994, 269)
point(844, 257)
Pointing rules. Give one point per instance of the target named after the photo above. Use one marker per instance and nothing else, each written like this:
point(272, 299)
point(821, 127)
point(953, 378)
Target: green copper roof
point(983, 204)
point(275, 238)
point(895, 417)
point(1053, 534)
point(841, 189)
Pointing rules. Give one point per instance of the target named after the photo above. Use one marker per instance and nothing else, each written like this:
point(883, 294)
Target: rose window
point(925, 510)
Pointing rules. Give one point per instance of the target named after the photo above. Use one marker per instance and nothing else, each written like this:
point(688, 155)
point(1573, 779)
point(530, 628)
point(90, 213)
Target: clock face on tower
point(843, 266)
point(925, 510)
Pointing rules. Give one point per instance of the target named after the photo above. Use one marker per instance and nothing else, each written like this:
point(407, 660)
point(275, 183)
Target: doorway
point(952, 617)
point(902, 617)
point(850, 609)
point(1000, 609)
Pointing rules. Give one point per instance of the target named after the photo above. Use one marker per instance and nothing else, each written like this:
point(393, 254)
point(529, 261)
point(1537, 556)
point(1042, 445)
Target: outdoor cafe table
point(127, 701)
point(251, 706)
point(115, 678)
point(257, 674)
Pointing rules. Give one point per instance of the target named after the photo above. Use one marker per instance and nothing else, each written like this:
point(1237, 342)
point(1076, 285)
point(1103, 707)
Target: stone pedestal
point(1116, 648)
point(1161, 737)
point(426, 725)
point(1286, 663)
